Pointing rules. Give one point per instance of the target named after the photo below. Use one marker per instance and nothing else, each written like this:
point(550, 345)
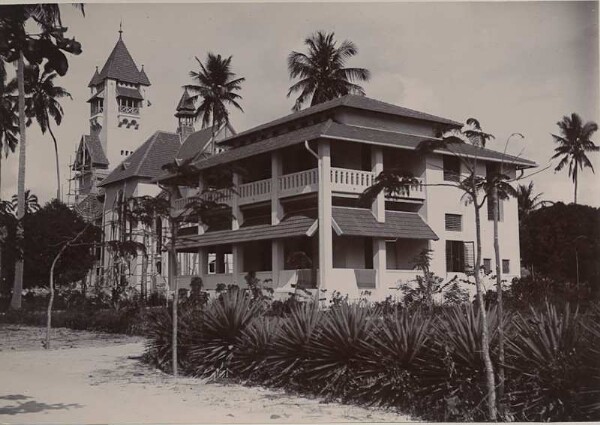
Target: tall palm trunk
point(485, 337)
point(15, 302)
point(496, 206)
point(575, 179)
point(173, 283)
point(56, 159)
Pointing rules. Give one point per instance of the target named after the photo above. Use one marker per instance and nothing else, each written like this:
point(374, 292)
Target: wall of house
point(443, 200)
point(384, 122)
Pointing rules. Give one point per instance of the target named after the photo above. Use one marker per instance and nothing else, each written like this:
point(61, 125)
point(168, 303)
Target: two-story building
point(294, 194)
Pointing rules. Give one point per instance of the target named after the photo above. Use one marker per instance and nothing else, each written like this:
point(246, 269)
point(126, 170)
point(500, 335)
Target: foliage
point(46, 230)
point(253, 347)
point(48, 45)
point(336, 351)
point(553, 239)
point(223, 321)
point(527, 201)
point(388, 374)
point(555, 370)
point(321, 71)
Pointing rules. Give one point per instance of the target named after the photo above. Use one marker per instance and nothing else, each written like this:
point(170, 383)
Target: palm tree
point(216, 85)
point(527, 200)
point(41, 103)
point(8, 121)
point(321, 70)
point(573, 144)
point(31, 202)
point(19, 45)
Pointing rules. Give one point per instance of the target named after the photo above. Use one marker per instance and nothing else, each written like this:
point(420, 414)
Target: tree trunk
point(15, 302)
point(56, 159)
point(499, 299)
point(575, 197)
point(144, 279)
point(485, 338)
point(173, 283)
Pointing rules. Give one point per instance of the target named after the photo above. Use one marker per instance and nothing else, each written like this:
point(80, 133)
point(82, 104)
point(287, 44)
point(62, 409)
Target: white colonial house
point(295, 186)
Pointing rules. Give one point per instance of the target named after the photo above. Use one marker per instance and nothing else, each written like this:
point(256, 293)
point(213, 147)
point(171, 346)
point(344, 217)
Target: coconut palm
point(216, 85)
point(42, 103)
point(573, 144)
point(31, 202)
point(321, 71)
point(527, 200)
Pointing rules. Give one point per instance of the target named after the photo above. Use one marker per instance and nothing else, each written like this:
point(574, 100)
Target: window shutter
point(451, 168)
point(449, 256)
point(454, 222)
point(505, 266)
point(469, 256)
point(487, 265)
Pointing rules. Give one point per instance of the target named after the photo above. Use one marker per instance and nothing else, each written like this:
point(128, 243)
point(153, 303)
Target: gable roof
point(348, 101)
point(148, 159)
point(94, 148)
point(194, 144)
point(120, 66)
point(90, 208)
point(129, 92)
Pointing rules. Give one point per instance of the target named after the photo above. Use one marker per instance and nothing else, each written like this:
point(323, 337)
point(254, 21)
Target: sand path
point(99, 380)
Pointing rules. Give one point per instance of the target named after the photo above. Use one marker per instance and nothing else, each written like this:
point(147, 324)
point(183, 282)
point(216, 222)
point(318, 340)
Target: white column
point(325, 212)
point(378, 206)
point(379, 262)
point(276, 171)
point(238, 264)
point(236, 212)
point(203, 262)
point(277, 260)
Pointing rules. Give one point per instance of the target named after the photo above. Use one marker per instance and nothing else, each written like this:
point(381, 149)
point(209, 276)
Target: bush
point(553, 365)
point(253, 347)
point(222, 323)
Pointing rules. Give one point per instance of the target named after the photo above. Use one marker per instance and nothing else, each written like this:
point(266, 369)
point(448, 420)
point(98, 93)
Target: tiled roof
point(120, 66)
point(148, 159)
point(90, 208)
point(397, 225)
point(295, 224)
point(336, 131)
point(194, 144)
point(94, 147)
point(129, 92)
point(349, 101)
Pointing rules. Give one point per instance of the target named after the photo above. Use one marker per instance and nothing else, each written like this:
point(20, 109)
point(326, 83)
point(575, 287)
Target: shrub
point(335, 352)
point(253, 347)
point(452, 371)
point(290, 351)
point(223, 321)
point(388, 373)
point(553, 365)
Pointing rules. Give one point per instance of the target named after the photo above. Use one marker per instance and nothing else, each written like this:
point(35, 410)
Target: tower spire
point(121, 29)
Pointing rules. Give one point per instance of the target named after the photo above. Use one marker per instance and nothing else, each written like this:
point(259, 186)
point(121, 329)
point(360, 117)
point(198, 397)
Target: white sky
point(517, 67)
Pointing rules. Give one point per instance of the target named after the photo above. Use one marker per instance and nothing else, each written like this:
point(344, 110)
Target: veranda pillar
point(276, 217)
point(325, 212)
point(378, 210)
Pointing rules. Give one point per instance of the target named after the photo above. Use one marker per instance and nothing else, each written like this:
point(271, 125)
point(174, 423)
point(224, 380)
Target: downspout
point(320, 219)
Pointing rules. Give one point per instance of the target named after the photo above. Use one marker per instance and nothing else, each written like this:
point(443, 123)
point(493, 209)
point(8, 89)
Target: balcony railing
point(343, 180)
point(131, 110)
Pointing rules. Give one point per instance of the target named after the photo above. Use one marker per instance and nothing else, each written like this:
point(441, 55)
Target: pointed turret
point(120, 66)
point(185, 114)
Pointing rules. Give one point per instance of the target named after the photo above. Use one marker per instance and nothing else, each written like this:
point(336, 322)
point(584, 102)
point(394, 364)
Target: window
point(487, 265)
point(505, 266)
point(454, 222)
point(451, 169)
point(459, 256)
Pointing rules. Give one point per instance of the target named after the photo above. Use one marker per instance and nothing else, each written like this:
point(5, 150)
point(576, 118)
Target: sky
point(515, 66)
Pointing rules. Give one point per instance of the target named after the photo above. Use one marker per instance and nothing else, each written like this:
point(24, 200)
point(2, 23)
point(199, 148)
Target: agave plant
point(553, 363)
point(388, 372)
point(452, 370)
point(335, 354)
point(252, 348)
point(291, 345)
point(223, 322)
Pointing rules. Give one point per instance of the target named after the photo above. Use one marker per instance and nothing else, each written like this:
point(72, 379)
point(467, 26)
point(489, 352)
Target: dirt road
point(91, 378)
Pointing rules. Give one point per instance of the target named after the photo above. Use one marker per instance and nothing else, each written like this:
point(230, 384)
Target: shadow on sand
point(30, 406)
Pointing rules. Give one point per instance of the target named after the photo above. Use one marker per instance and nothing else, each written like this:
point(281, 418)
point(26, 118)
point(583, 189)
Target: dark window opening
point(459, 256)
point(451, 168)
point(505, 266)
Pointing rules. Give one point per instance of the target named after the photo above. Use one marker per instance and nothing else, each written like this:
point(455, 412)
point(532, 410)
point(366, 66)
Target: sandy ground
point(97, 378)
